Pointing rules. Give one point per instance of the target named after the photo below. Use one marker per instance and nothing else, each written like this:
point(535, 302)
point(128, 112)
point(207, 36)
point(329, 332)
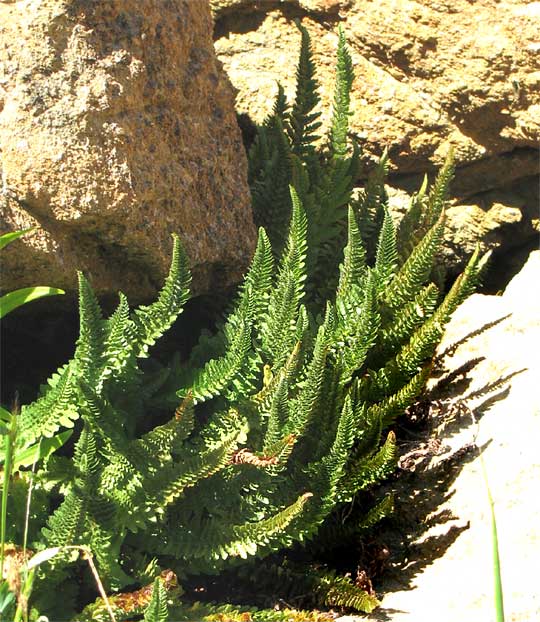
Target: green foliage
point(19, 297)
point(279, 418)
point(286, 152)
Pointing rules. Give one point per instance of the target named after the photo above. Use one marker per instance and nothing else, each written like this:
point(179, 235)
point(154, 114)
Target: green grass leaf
point(19, 297)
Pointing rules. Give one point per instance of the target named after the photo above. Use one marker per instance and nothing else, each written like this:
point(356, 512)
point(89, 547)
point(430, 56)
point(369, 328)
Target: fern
point(157, 610)
point(280, 417)
point(342, 95)
point(303, 118)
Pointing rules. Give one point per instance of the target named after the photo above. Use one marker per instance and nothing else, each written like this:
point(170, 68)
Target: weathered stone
point(429, 75)
point(117, 128)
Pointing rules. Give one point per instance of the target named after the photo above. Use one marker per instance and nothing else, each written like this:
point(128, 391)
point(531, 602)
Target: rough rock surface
point(492, 407)
point(429, 75)
point(117, 128)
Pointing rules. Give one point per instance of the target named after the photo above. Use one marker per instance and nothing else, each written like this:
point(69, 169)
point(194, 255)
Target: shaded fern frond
point(303, 119)
point(342, 592)
point(153, 320)
point(381, 510)
point(270, 184)
point(280, 104)
point(369, 206)
point(342, 94)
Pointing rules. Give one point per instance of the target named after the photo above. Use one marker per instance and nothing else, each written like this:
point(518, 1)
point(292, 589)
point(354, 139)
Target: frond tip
point(155, 319)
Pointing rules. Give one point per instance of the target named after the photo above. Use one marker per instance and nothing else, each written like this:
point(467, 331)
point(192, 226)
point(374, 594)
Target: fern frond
point(153, 320)
point(369, 206)
point(345, 436)
point(157, 610)
point(438, 193)
point(250, 536)
point(406, 320)
point(259, 278)
point(465, 284)
point(117, 349)
point(217, 374)
point(280, 104)
point(358, 330)
point(89, 345)
point(389, 408)
point(170, 482)
point(408, 226)
point(421, 346)
point(366, 472)
point(56, 409)
point(68, 524)
point(167, 438)
point(386, 261)
point(416, 270)
point(128, 605)
point(342, 93)
point(278, 330)
point(354, 259)
point(342, 592)
point(305, 405)
point(377, 513)
point(270, 184)
point(278, 413)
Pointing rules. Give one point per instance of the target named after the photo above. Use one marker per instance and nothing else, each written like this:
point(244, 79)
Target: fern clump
point(280, 417)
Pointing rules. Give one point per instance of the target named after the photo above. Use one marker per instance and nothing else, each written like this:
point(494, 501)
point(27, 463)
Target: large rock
point(429, 75)
point(491, 407)
point(117, 128)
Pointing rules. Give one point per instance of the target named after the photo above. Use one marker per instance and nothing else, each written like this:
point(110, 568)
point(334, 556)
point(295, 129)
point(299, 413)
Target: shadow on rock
point(438, 438)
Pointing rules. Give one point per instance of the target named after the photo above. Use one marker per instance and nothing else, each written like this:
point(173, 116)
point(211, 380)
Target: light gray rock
point(499, 413)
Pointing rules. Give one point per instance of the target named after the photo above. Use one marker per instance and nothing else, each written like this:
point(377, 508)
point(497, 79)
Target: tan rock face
point(428, 75)
point(117, 128)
